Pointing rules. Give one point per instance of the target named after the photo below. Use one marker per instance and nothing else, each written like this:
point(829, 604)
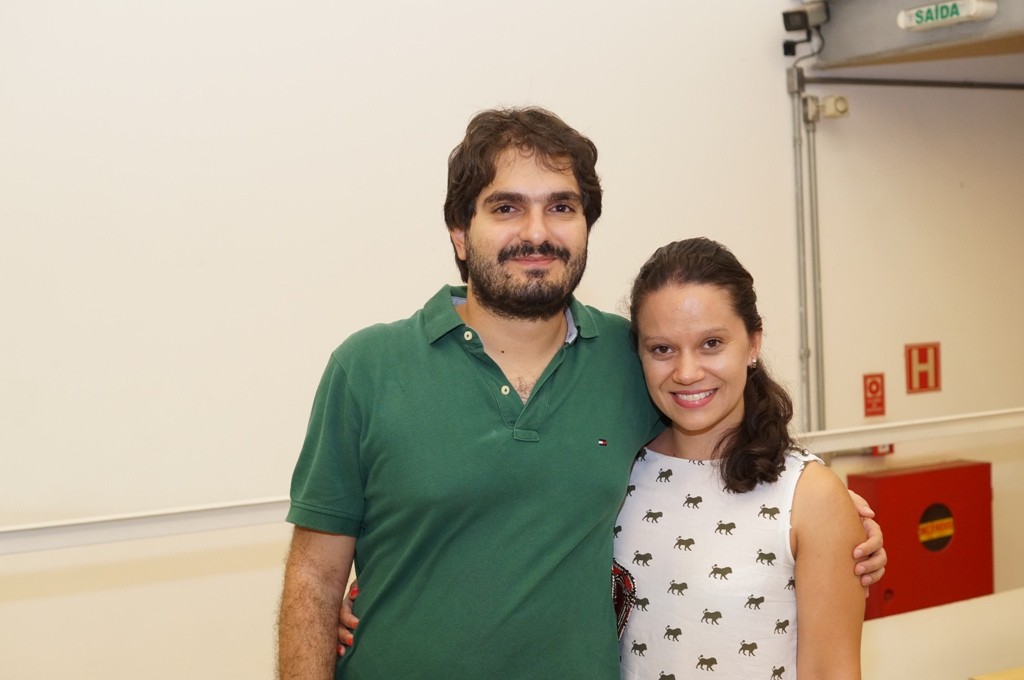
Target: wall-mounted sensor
point(834, 106)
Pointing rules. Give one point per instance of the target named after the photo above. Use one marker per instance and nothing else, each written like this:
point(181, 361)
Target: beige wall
point(196, 606)
point(202, 198)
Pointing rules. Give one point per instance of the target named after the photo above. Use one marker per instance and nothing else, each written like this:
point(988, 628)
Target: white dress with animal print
point(713, 572)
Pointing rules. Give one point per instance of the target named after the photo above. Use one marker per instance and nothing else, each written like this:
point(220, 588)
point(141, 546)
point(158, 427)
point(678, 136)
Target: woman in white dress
point(741, 545)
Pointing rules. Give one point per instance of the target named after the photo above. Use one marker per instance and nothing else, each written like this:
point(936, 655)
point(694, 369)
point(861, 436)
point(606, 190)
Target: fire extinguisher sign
point(874, 394)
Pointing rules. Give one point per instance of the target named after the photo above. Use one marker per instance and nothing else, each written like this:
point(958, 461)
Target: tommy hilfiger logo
point(602, 442)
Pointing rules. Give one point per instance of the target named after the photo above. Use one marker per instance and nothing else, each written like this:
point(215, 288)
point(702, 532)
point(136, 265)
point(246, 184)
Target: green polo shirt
point(483, 525)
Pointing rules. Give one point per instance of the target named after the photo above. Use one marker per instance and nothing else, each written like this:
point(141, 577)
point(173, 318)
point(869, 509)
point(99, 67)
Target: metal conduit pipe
point(894, 82)
point(818, 351)
point(795, 80)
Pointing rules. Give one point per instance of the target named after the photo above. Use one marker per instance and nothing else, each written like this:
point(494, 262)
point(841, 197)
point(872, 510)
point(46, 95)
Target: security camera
point(809, 15)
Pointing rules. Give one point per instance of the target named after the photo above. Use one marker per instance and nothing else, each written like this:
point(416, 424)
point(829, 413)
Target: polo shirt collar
point(441, 317)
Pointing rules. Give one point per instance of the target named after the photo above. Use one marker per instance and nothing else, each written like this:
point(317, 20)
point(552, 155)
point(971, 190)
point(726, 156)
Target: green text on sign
point(940, 14)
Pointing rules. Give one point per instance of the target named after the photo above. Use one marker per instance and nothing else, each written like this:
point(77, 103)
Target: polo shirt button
point(505, 390)
point(468, 335)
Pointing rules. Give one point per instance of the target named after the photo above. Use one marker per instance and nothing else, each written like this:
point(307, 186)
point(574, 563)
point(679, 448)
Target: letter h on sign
point(923, 374)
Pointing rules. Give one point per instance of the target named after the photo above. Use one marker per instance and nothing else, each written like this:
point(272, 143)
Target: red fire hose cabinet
point(937, 521)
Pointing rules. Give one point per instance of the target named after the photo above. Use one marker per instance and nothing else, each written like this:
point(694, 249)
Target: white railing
point(68, 534)
point(912, 430)
point(92, 530)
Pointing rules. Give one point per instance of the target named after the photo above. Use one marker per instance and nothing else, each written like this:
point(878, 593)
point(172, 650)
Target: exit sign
point(940, 14)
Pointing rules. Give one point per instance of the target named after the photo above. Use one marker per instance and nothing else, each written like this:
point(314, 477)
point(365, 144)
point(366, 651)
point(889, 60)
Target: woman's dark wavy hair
point(753, 451)
point(532, 131)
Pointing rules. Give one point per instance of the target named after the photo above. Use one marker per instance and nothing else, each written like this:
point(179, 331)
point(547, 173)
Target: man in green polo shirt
point(471, 458)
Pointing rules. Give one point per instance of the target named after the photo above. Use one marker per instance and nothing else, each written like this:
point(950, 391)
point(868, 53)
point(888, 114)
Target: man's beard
point(536, 298)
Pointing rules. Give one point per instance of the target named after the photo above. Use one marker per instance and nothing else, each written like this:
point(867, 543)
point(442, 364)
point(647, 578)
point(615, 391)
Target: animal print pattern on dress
point(714, 572)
